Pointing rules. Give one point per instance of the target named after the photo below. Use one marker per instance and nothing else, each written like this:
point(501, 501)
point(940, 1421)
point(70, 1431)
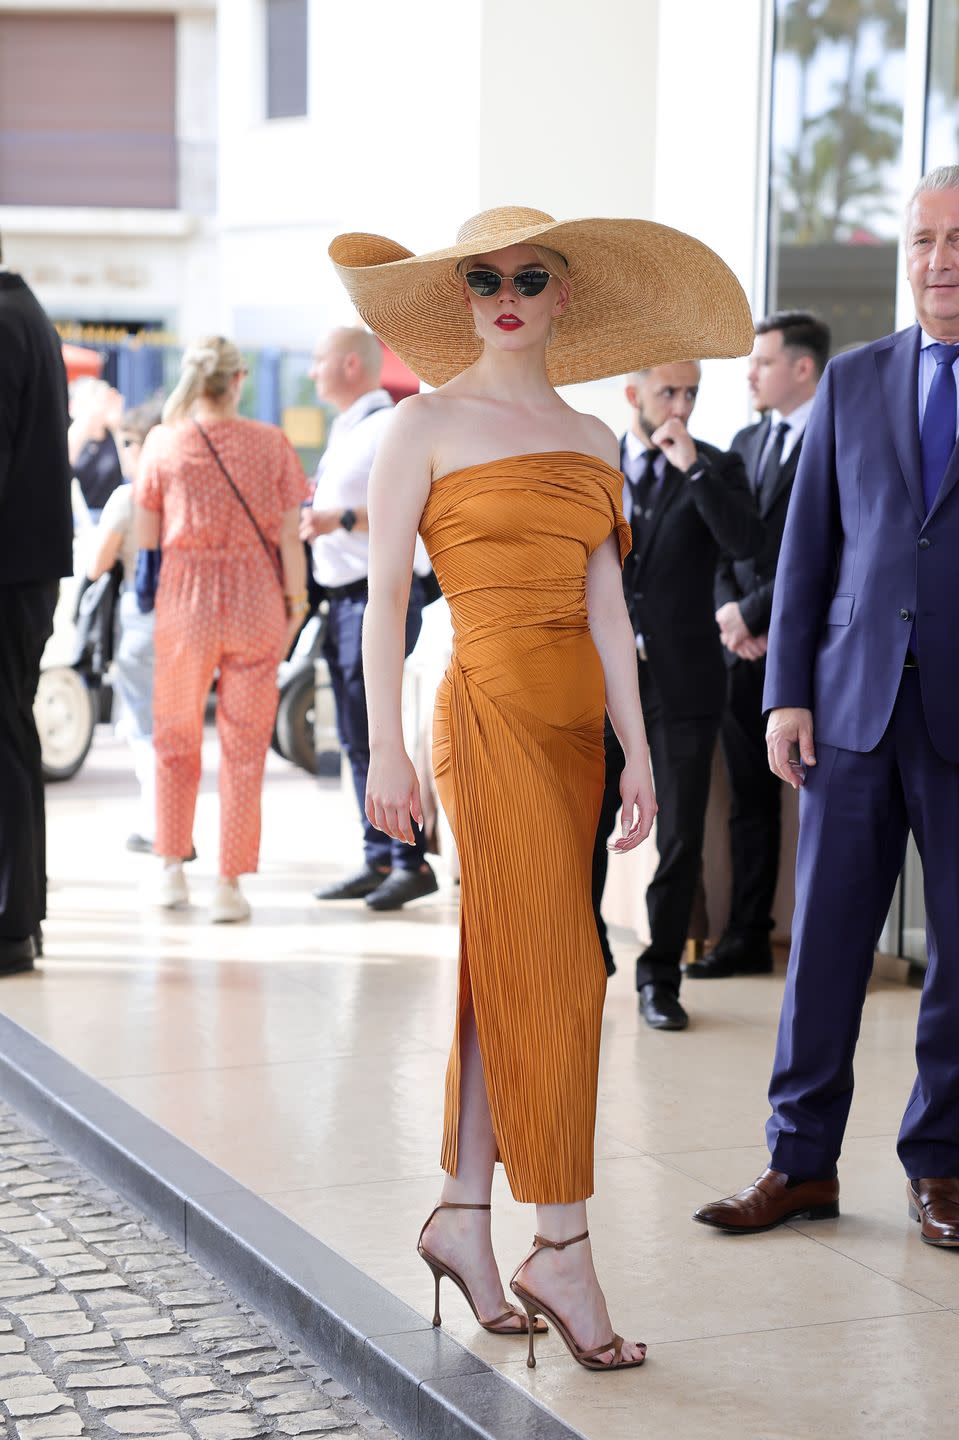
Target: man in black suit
point(789, 356)
point(685, 500)
point(36, 549)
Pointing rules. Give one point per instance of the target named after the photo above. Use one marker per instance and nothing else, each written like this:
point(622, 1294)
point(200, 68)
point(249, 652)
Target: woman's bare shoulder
point(596, 438)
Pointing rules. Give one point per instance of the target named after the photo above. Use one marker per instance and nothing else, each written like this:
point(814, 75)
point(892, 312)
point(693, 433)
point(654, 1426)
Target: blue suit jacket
point(861, 559)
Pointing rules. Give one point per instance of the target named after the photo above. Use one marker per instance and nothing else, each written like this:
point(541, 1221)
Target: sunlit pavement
point(304, 1052)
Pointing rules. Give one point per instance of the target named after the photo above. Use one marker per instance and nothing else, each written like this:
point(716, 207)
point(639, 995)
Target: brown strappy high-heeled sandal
point(500, 1324)
point(533, 1307)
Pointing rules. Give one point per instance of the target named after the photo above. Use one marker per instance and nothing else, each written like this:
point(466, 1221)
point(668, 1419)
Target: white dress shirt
point(796, 420)
point(927, 368)
point(342, 482)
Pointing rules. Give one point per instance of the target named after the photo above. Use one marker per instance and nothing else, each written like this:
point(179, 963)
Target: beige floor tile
point(872, 1229)
point(305, 1054)
point(867, 1380)
point(665, 1277)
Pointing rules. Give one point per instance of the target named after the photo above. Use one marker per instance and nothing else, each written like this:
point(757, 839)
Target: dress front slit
point(518, 756)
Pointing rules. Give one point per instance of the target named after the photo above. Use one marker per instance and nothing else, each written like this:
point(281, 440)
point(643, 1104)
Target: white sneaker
point(229, 904)
point(172, 892)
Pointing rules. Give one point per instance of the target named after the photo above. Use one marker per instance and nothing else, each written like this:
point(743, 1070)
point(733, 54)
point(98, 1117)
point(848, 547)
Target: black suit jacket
point(36, 521)
point(750, 582)
point(669, 580)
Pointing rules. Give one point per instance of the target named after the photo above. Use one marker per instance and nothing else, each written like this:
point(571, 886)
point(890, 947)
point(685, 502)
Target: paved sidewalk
point(108, 1330)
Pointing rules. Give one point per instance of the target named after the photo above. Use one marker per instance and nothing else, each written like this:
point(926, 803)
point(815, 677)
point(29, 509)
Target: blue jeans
point(342, 650)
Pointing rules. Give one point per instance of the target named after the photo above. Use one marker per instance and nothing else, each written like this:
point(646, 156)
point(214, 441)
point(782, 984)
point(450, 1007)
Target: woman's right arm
point(399, 489)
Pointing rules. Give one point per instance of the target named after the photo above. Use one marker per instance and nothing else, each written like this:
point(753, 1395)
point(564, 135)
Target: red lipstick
point(509, 322)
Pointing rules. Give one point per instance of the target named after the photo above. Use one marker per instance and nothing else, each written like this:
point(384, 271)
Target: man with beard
point(686, 502)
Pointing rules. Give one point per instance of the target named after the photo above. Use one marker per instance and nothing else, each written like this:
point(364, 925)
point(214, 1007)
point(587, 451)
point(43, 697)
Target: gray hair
point(944, 177)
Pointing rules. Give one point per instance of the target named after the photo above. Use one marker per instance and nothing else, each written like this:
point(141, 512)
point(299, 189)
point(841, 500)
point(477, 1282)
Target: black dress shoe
point(401, 886)
point(733, 957)
point(660, 1008)
point(355, 887)
point(17, 955)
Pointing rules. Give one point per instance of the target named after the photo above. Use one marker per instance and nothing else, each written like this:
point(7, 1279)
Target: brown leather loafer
point(935, 1204)
point(771, 1202)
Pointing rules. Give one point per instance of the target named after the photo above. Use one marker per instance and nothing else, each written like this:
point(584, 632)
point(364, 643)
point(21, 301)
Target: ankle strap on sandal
point(457, 1205)
point(541, 1243)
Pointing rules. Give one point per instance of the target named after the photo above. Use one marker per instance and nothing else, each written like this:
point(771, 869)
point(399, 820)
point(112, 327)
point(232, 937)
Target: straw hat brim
point(643, 294)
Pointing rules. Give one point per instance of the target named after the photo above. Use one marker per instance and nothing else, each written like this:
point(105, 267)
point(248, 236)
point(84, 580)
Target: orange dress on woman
point(518, 757)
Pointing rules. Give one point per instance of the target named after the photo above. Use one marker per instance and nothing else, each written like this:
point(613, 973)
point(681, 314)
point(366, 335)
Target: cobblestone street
point(107, 1329)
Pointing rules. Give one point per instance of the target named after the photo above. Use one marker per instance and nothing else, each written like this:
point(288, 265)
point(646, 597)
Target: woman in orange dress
point(518, 498)
point(231, 597)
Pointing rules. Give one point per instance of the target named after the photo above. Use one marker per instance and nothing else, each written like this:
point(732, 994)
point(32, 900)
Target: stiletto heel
point(501, 1324)
point(589, 1359)
point(437, 1276)
point(531, 1318)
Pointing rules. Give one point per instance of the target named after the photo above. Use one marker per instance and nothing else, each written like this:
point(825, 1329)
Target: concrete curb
point(427, 1386)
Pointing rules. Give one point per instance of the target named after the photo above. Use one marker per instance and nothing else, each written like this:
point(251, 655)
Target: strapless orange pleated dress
point(518, 757)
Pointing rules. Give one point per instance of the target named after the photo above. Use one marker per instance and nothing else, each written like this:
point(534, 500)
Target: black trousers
point(755, 804)
point(26, 623)
point(343, 652)
point(681, 749)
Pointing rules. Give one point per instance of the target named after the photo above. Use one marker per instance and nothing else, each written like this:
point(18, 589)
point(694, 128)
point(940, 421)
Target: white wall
point(709, 150)
point(389, 146)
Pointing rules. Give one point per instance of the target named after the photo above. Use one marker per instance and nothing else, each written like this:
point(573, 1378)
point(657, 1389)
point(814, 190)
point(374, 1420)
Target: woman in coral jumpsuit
point(228, 603)
point(518, 498)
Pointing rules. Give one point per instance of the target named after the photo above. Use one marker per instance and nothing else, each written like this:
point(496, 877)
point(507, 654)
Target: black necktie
point(641, 490)
point(773, 460)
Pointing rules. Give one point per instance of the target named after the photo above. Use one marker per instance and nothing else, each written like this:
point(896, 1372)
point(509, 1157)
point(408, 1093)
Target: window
point(286, 58)
point(836, 183)
point(942, 108)
point(104, 131)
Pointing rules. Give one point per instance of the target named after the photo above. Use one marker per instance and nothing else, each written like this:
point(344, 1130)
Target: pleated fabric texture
point(518, 757)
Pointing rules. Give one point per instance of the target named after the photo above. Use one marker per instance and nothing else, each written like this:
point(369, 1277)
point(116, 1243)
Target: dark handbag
point(146, 579)
point(95, 625)
point(271, 552)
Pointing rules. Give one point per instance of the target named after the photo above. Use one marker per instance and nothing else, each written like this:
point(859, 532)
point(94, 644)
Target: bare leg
point(462, 1237)
point(566, 1280)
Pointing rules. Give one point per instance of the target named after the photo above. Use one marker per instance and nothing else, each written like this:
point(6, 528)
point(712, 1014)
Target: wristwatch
point(348, 519)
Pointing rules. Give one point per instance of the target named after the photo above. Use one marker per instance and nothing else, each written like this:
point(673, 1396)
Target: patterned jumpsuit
point(219, 608)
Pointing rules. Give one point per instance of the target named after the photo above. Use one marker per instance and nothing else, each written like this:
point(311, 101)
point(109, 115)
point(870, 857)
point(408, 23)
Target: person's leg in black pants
point(681, 751)
point(754, 829)
point(615, 764)
point(343, 651)
point(754, 820)
point(26, 623)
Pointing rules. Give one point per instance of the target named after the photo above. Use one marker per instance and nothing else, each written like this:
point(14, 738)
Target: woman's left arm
point(614, 640)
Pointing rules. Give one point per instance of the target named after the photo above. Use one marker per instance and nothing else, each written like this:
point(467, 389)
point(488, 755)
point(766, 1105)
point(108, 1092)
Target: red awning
point(81, 361)
point(398, 378)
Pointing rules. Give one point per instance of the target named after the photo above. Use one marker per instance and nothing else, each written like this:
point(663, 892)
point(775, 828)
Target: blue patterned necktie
point(938, 437)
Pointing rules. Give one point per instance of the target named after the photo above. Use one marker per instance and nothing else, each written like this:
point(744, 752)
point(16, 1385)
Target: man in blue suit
point(862, 690)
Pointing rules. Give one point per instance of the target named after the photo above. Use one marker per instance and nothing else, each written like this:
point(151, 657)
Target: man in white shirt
point(788, 358)
point(346, 371)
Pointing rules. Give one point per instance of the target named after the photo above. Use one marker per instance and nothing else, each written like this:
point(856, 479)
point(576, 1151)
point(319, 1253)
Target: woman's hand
point(393, 794)
point(639, 804)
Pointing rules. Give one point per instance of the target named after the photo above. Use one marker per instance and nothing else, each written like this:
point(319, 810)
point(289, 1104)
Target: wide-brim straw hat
point(642, 294)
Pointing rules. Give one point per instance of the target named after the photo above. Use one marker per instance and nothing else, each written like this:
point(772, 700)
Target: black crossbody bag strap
point(271, 554)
